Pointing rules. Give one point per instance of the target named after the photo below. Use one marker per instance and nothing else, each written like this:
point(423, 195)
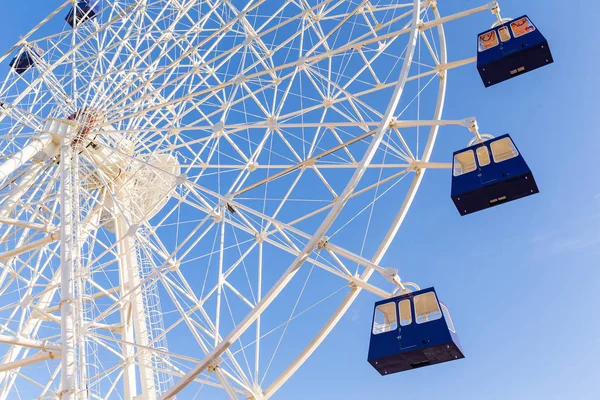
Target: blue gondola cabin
point(411, 331)
point(489, 174)
point(26, 58)
point(84, 11)
point(510, 50)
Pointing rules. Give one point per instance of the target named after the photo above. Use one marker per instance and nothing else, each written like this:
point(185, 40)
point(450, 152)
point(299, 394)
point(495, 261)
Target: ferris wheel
point(194, 192)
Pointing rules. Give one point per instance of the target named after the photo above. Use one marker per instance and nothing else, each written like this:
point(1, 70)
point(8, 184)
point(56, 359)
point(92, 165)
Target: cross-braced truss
point(194, 192)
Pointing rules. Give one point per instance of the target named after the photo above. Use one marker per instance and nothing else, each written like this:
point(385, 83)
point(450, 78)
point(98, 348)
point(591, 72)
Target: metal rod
point(41, 356)
point(68, 362)
point(32, 343)
point(29, 246)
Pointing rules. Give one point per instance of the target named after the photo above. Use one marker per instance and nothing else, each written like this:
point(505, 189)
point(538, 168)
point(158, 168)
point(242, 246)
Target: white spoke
point(188, 188)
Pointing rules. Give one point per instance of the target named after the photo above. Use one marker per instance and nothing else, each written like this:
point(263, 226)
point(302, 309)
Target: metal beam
point(41, 356)
point(30, 246)
point(33, 343)
point(25, 224)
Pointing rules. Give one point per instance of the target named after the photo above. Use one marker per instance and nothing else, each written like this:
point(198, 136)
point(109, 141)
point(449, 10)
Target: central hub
point(88, 120)
point(109, 156)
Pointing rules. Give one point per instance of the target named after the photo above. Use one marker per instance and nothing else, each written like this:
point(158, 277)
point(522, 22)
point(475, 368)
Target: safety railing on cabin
point(447, 317)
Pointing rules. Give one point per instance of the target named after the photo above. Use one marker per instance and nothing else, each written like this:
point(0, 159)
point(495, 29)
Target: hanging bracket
point(391, 275)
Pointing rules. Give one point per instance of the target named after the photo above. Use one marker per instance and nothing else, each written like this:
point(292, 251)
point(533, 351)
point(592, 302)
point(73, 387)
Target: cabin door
point(406, 331)
point(483, 161)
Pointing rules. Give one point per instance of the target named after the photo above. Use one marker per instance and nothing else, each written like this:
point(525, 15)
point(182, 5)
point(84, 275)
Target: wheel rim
point(224, 192)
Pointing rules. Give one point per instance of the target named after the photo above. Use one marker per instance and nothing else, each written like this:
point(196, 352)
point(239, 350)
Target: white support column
point(21, 187)
point(68, 361)
point(133, 315)
point(27, 153)
point(127, 334)
point(33, 323)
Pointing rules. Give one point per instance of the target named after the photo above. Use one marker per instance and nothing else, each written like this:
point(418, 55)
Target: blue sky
point(521, 280)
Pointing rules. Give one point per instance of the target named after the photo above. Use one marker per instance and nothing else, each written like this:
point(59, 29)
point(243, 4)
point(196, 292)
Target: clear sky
point(521, 280)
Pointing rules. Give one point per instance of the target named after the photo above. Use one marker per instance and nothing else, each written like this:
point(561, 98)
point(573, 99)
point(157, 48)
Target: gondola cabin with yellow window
point(411, 331)
point(489, 174)
point(510, 50)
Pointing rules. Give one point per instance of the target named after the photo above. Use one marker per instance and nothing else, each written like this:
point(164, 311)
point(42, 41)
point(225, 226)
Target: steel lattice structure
point(194, 192)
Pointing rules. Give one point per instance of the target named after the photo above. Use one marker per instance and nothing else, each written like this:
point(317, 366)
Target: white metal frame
point(70, 186)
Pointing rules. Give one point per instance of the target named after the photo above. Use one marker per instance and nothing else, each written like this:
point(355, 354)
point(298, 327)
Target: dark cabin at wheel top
point(411, 331)
point(510, 50)
point(84, 11)
point(489, 174)
point(26, 58)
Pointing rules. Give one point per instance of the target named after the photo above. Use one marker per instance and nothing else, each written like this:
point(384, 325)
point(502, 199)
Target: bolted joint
point(272, 122)
point(248, 40)
point(414, 167)
point(217, 216)
point(309, 164)
point(323, 243)
point(391, 275)
point(260, 236)
point(471, 124)
point(240, 79)
point(62, 393)
point(173, 266)
point(315, 17)
point(218, 129)
point(494, 7)
point(256, 394)
point(47, 345)
point(301, 63)
point(181, 179)
point(352, 283)
point(212, 367)
point(64, 301)
point(442, 72)
point(394, 123)
point(252, 166)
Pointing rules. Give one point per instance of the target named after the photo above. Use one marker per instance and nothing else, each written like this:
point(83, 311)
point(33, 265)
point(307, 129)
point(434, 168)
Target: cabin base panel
point(515, 64)
point(406, 361)
point(496, 194)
